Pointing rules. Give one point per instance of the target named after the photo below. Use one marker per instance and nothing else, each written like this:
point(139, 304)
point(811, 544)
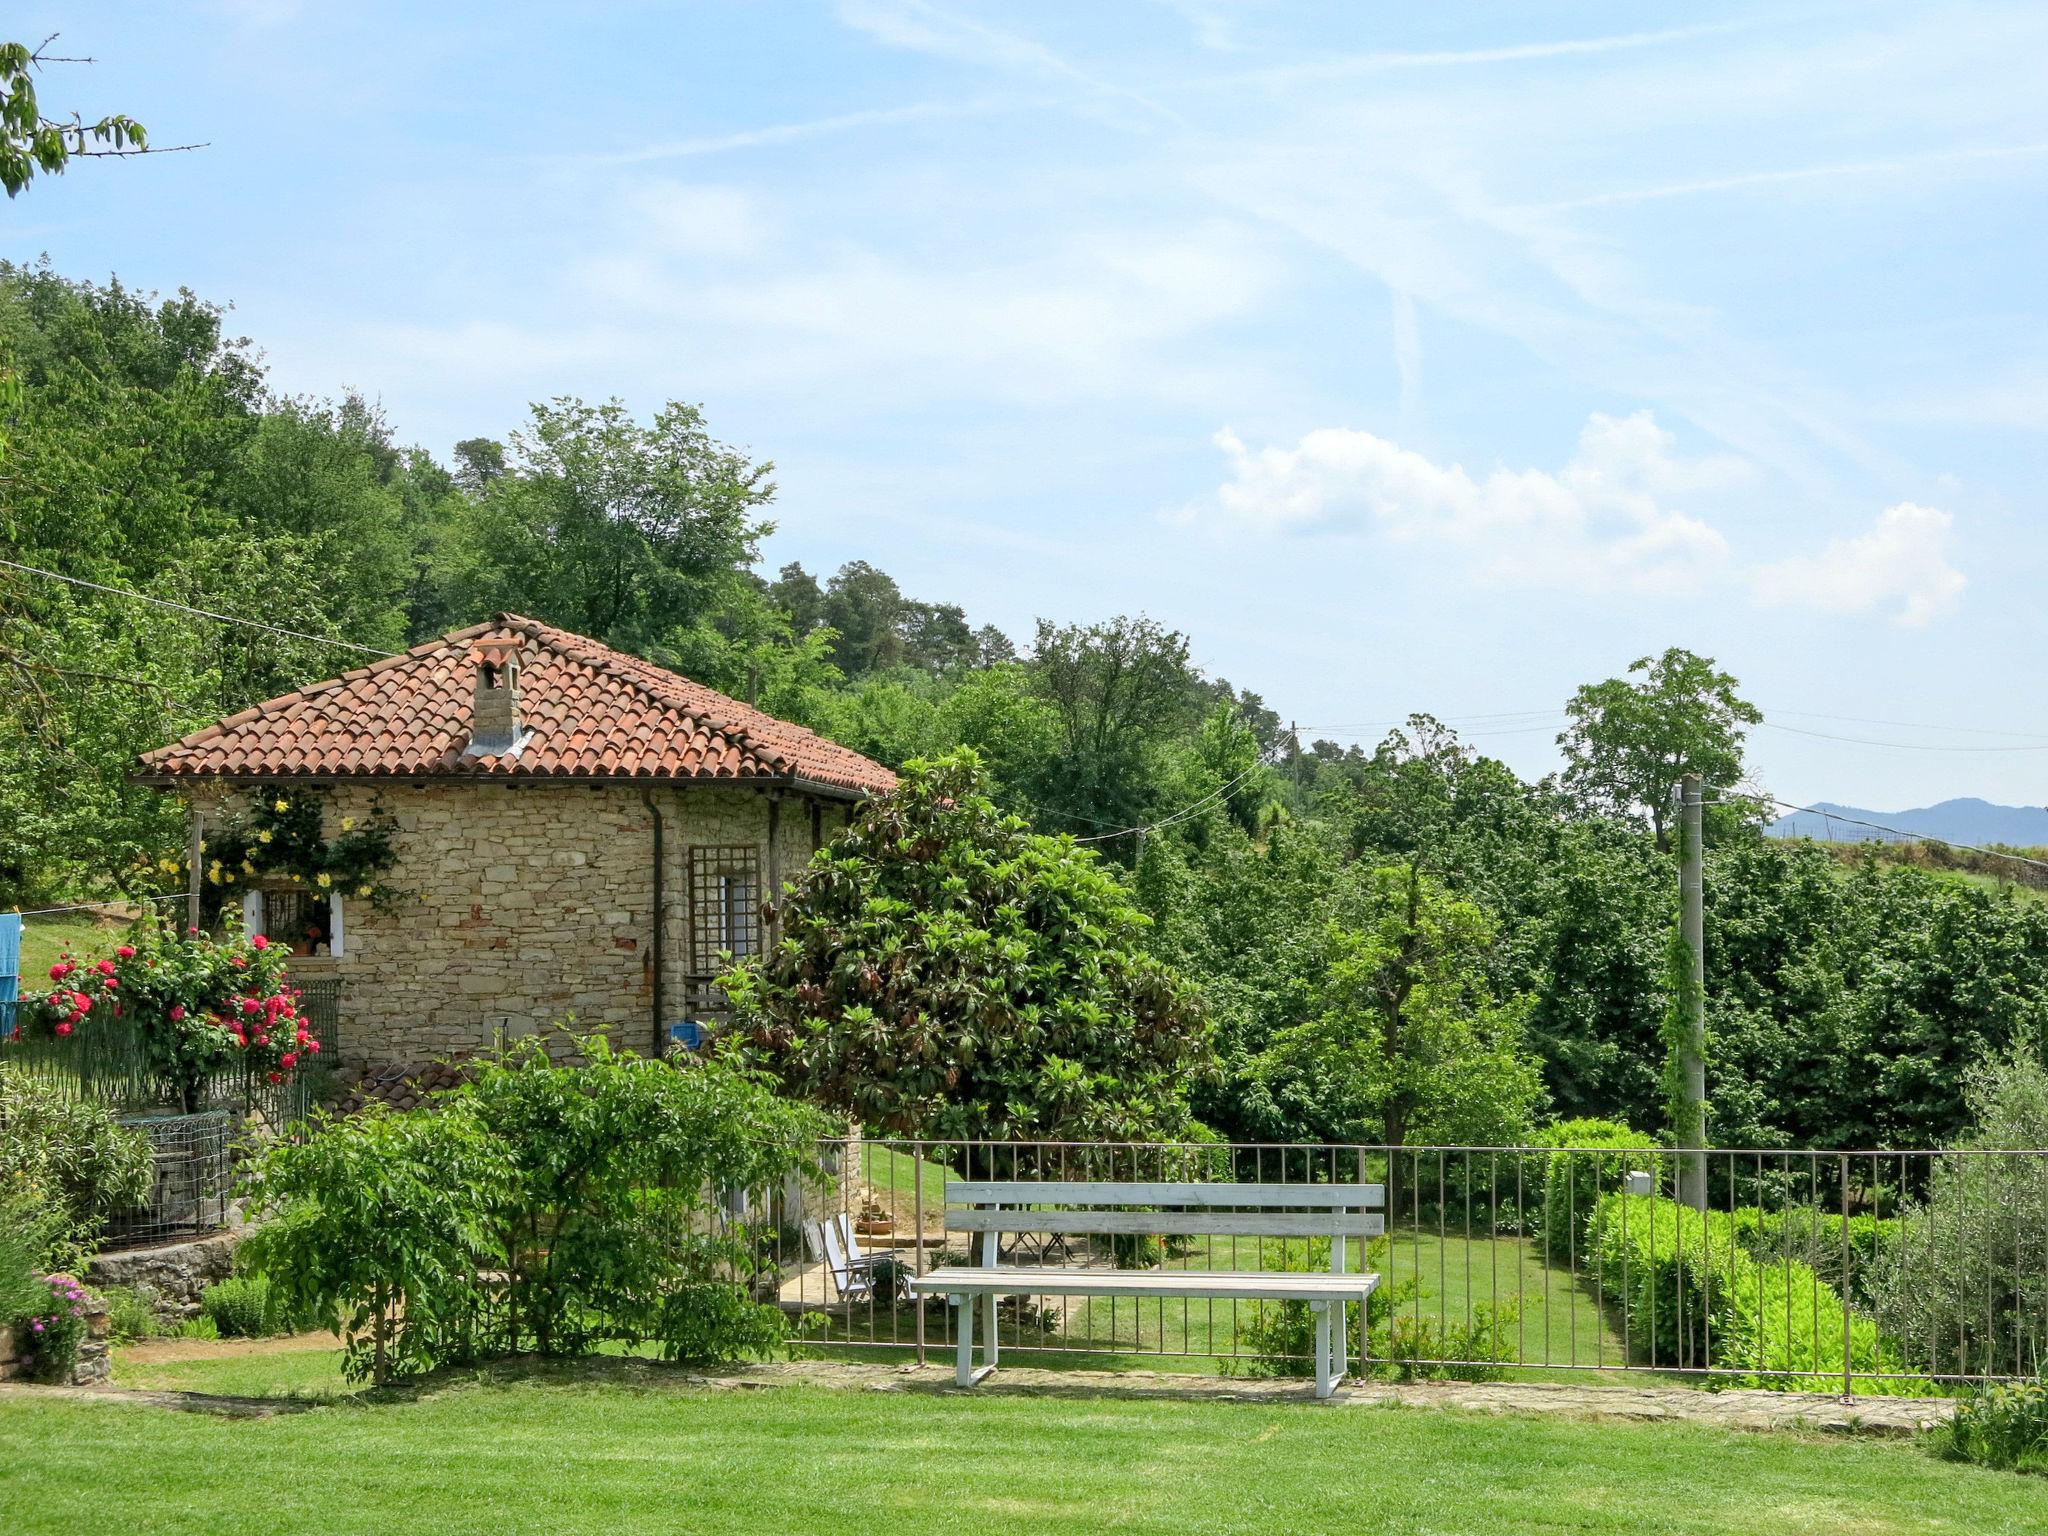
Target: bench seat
point(1200, 1284)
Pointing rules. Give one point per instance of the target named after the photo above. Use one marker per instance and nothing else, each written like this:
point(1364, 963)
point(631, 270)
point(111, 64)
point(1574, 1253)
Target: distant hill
point(1955, 821)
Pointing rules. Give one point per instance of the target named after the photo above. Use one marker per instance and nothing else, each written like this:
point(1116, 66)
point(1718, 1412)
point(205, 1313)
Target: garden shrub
point(72, 1159)
point(1813, 1235)
point(249, 1307)
point(1695, 1296)
point(2004, 1424)
point(130, 1317)
point(538, 1206)
point(53, 1327)
point(1963, 1281)
point(1564, 1187)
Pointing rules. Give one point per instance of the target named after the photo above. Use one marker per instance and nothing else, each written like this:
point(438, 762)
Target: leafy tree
point(1119, 691)
point(1409, 1042)
point(866, 609)
point(1629, 743)
point(944, 972)
point(615, 529)
point(797, 593)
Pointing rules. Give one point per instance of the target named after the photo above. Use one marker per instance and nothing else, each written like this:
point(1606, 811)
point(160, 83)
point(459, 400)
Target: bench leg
point(991, 1344)
point(963, 1339)
point(1324, 1383)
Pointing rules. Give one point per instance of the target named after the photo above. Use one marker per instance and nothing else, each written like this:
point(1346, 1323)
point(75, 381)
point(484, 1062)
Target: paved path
point(1733, 1409)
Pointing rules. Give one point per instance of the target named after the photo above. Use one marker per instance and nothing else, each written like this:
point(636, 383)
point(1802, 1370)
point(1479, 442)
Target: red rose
point(177, 1012)
point(109, 983)
point(105, 967)
point(64, 1028)
point(277, 1077)
point(126, 951)
point(287, 1061)
point(59, 971)
point(250, 1005)
point(313, 1046)
point(258, 941)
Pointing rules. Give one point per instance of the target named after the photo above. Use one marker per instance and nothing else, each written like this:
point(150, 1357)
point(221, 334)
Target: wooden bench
point(1335, 1211)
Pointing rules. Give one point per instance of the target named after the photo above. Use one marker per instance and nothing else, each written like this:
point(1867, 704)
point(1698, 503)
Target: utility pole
point(1294, 739)
point(1690, 1125)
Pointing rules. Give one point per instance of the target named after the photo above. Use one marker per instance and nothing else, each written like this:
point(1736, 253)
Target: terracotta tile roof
point(591, 712)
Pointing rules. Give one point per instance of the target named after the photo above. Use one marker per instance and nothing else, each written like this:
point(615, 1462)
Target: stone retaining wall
point(95, 1361)
point(170, 1276)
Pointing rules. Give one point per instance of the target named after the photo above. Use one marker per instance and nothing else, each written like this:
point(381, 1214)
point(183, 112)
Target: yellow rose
point(325, 879)
point(348, 823)
point(282, 805)
point(297, 877)
point(229, 877)
point(263, 836)
point(213, 874)
point(248, 868)
point(362, 890)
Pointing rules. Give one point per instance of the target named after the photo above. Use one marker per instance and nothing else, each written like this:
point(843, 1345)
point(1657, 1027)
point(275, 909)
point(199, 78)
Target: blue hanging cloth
point(10, 968)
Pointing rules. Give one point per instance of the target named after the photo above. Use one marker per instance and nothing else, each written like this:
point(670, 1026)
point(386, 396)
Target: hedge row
point(1695, 1295)
point(1571, 1183)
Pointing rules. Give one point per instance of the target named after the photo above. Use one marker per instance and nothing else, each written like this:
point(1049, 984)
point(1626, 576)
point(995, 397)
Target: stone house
point(576, 832)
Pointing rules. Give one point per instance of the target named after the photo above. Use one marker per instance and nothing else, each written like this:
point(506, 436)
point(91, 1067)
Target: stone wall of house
point(168, 1277)
point(527, 904)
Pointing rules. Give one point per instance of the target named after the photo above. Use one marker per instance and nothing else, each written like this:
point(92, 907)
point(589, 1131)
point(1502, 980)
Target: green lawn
point(563, 1454)
point(43, 939)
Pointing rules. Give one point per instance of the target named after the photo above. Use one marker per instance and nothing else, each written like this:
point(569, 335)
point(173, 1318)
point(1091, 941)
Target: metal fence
point(194, 1145)
point(1863, 1271)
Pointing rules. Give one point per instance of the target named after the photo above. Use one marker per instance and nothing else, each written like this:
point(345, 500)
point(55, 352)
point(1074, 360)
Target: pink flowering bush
point(203, 1004)
point(52, 1333)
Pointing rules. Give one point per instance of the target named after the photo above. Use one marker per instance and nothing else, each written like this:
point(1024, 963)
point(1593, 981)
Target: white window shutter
point(334, 925)
point(252, 912)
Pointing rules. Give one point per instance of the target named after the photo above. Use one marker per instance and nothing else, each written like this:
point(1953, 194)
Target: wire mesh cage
point(193, 1182)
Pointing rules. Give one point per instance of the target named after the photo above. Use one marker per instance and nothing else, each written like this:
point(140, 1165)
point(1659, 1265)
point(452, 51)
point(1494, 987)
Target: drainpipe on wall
point(660, 930)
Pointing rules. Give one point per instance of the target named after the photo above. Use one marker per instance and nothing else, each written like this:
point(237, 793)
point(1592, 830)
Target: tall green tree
point(615, 528)
point(1631, 741)
point(1409, 1042)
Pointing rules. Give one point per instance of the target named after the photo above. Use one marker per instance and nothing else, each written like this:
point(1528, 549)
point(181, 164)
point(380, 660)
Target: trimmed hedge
point(1572, 1182)
point(1695, 1296)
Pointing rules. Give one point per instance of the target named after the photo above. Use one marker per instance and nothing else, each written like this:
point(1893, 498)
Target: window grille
point(725, 917)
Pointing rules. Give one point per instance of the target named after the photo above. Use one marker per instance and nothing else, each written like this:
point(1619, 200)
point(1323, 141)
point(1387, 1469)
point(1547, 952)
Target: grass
point(566, 1452)
point(43, 939)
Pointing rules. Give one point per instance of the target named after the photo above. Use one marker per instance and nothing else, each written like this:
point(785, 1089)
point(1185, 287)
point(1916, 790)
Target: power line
point(1898, 832)
point(1905, 746)
point(1914, 725)
point(1181, 815)
point(100, 906)
point(203, 613)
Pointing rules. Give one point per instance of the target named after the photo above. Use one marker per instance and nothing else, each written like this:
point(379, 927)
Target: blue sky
point(1407, 357)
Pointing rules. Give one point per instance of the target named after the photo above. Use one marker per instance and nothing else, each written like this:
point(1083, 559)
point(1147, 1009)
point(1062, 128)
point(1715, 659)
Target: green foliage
point(1572, 1182)
point(1963, 1280)
point(30, 142)
point(130, 1318)
point(1410, 1043)
point(1629, 743)
point(2003, 1424)
point(1695, 1296)
point(538, 1206)
point(29, 1230)
point(52, 1327)
point(283, 833)
point(248, 1307)
point(943, 972)
point(65, 1165)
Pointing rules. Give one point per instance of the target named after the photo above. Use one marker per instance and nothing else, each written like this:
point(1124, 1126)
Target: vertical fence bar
point(1848, 1380)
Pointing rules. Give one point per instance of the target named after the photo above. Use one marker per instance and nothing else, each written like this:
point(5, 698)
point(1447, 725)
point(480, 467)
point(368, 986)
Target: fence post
point(917, 1232)
point(1847, 1380)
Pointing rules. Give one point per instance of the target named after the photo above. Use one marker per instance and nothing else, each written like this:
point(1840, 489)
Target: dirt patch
point(168, 1351)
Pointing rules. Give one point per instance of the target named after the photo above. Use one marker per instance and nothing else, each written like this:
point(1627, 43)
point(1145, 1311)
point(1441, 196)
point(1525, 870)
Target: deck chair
point(835, 1244)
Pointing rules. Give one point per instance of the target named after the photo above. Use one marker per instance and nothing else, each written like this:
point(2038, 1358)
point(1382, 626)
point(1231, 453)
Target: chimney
point(494, 713)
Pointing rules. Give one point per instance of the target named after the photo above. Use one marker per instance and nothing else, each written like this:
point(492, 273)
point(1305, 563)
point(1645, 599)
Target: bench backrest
point(1335, 1211)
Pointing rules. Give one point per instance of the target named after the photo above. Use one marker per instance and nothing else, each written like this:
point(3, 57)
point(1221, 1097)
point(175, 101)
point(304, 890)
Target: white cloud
point(1601, 522)
point(1901, 564)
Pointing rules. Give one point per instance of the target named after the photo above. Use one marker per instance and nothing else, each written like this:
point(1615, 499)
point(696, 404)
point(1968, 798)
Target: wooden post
point(195, 834)
point(1690, 1129)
